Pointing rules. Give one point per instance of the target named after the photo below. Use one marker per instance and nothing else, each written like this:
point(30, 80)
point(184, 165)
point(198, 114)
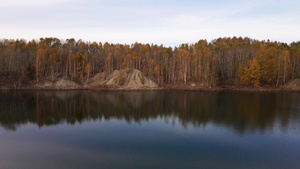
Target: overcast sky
point(167, 22)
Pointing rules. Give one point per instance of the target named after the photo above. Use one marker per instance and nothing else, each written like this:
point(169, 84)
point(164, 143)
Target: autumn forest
point(223, 61)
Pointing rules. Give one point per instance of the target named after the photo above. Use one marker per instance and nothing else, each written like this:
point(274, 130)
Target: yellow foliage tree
point(267, 61)
point(88, 70)
point(251, 74)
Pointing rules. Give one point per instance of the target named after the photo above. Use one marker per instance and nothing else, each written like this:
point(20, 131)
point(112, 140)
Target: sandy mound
point(45, 84)
point(130, 78)
point(66, 84)
point(293, 85)
point(59, 84)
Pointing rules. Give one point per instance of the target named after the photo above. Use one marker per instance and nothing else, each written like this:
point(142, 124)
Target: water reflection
point(243, 112)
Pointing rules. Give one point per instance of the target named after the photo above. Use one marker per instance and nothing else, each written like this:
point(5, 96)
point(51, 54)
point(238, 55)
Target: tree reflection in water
point(241, 111)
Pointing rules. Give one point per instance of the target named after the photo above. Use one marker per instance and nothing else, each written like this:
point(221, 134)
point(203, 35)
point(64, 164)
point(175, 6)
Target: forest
point(223, 61)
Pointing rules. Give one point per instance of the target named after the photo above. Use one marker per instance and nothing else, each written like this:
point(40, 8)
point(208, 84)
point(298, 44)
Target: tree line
point(221, 61)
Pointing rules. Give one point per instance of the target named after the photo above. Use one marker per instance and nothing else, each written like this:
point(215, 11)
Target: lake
point(149, 129)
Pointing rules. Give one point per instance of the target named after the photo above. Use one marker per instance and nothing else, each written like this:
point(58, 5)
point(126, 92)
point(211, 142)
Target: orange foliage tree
point(251, 74)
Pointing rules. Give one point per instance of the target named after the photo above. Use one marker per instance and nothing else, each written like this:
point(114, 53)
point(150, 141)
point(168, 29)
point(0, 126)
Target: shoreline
point(167, 88)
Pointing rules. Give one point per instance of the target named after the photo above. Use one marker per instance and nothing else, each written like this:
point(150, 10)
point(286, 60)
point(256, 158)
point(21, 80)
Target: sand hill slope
point(60, 83)
point(292, 85)
point(129, 79)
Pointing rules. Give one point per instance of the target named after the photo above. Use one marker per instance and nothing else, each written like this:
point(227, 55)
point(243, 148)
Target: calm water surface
point(148, 129)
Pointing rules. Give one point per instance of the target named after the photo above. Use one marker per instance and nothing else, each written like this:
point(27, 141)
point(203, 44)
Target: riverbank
point(133, 79)
point(261, 89)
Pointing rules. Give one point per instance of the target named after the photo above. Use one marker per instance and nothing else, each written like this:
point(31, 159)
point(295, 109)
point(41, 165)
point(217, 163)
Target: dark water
point(152, 129)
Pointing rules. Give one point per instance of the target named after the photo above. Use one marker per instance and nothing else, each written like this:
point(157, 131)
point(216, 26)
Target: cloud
point(23, 3)
point(161, 22)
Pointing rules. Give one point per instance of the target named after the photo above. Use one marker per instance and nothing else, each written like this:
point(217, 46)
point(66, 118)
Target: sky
point(167, 22)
